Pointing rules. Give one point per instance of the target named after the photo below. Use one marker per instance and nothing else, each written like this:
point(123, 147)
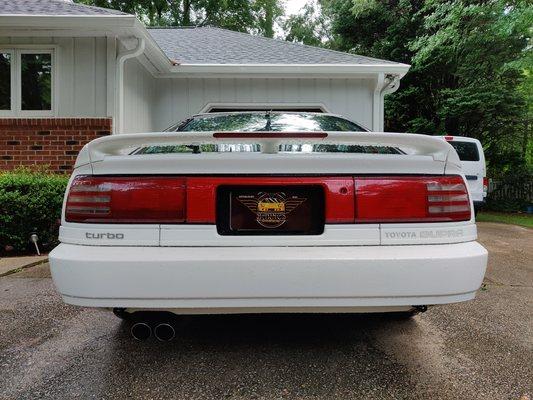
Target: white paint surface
point(243, 278)
point(153, 104)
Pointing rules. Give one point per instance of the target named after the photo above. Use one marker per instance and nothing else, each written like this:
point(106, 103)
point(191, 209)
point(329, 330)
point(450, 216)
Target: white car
point(472, 158)
point(266, 212)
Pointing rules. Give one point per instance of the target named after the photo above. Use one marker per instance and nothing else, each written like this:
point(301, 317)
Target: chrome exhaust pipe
point(141, 331)
point(164, 332)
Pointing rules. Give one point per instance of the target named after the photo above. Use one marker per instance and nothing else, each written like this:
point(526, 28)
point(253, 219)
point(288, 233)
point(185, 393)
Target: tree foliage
point(471, 60)
point(308, 27)
point(254, 16)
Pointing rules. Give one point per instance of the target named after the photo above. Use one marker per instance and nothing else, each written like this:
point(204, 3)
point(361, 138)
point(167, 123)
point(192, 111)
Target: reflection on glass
point(261, 121)
point(267, 121)
point(36, 81)
point(5, 81)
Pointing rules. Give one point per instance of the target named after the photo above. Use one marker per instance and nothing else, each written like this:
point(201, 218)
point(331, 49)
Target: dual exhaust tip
point(163, 332)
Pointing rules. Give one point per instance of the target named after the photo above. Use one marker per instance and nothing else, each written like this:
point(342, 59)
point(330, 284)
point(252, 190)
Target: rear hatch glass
point(467, 151)
point(267, 122)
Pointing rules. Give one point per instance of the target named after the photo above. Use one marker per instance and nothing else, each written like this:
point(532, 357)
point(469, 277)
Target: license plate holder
point(270, 210)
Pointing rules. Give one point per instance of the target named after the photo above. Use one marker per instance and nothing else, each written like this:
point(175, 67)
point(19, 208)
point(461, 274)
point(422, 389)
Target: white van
point(472, 159)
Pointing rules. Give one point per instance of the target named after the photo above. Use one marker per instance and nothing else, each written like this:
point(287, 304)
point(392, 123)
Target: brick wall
point(54, 142)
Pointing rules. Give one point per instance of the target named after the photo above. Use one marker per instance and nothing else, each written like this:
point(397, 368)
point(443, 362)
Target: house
point(70, 73)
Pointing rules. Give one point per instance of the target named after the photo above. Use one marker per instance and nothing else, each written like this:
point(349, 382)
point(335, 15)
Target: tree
point(309, 26)
point(471, 47)
point(252, 16)
point(464, 78)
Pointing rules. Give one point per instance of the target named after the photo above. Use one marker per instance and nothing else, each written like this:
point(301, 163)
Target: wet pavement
point(479, 349)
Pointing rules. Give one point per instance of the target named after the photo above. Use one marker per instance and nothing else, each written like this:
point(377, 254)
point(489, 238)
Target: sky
point(293, 6)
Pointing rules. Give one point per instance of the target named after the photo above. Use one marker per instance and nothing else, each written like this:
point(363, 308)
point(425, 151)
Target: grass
point(506, 218)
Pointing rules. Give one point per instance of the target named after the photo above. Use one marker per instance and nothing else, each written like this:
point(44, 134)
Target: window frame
point(16, 81)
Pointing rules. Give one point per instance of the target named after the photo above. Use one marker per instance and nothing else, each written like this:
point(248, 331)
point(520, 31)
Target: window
point(36, 81)
point(268, 121)
point(274, 121)
point(26, 82)
point(5, 81)
point(467, 151)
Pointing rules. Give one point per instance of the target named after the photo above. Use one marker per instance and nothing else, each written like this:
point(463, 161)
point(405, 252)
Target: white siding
point(152, 104)
point(175, 99)
point(81, 72)
point(139, 89)
point(85, 88)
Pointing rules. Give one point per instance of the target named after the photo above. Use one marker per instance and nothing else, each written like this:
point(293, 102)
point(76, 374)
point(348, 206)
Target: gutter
point(119, 79)
point(288, 69)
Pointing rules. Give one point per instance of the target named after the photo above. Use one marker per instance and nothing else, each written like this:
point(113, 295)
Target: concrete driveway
point(481, 349)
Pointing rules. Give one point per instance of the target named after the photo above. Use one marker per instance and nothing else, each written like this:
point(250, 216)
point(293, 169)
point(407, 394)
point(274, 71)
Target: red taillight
point(171, 200)
point(485, 184)
point(126, 200)
point(448, 138)
point(411, 199)
point(271, 135)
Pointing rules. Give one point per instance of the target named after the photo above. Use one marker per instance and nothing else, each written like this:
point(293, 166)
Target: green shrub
point(30, 201)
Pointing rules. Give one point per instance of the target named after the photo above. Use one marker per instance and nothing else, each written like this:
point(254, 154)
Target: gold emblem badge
point(271, 209)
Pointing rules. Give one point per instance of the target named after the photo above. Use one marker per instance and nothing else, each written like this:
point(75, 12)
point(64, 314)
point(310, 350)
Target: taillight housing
point(140, 200)
point(176, 200)
point(391, 199)
point(485, 185)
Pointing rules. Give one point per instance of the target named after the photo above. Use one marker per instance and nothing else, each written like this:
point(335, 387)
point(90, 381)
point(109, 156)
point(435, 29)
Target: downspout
point(119, 79)
point(376, 102)
point(392, 84)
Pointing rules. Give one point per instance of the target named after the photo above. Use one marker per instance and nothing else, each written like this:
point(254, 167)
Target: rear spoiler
point(413, 144)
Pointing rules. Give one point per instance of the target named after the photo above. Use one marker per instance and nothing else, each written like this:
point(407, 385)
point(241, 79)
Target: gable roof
point(195, 52)
point(52, 7)
point(209, 45)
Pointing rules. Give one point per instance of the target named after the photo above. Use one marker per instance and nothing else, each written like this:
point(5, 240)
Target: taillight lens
point(485, 185)
point(411, 199)
point(139, 200)
point(171, 200)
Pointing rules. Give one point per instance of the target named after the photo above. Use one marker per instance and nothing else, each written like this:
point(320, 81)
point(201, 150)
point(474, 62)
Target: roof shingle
point(209, 45)
point(201, 45)
point(52, 7)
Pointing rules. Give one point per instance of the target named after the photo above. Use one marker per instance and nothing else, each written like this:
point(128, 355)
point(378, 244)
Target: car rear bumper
point(272, 279)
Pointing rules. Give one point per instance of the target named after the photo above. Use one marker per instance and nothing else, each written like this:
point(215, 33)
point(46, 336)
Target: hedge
point(30, 201)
